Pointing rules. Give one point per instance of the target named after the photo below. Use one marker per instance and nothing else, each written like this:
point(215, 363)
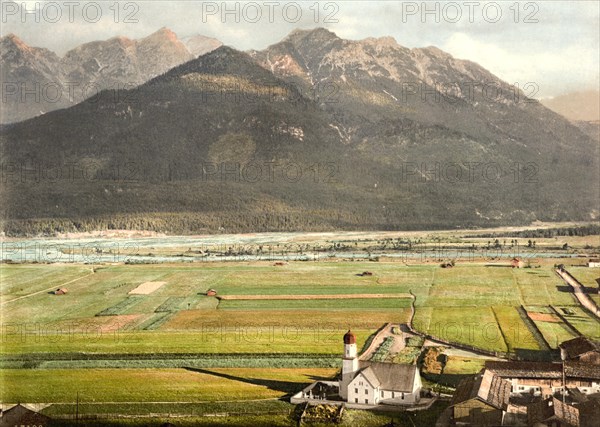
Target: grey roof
point(582, 370)
point(371, 377)
point(487, 387)
point(20, 414)
point(525, 369)
point(389, 376)
point(573, 369)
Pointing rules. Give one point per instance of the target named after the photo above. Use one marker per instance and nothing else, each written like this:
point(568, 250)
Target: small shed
point(61, 291)
point(594, 262)
point(366, 273)
point(211, 293)
point(516, 262)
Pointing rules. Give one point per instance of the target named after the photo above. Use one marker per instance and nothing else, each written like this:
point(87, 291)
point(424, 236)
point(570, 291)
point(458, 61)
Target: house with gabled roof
point(581, 349)
point(552, 412)
point(480, 400)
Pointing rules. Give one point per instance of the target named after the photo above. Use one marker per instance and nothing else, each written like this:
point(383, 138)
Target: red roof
point(349, 338)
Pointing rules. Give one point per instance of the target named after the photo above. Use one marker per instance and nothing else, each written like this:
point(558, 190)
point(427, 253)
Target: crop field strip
point(477, 286)
point(288, 317)
point(550, 325)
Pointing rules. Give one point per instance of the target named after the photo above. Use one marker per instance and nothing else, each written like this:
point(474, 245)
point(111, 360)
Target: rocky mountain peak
point(386, 41)
point(315, 36)
point(109, 64)
point(222, 61)
point(12, 40)
point(199, 45)
point(163, 35)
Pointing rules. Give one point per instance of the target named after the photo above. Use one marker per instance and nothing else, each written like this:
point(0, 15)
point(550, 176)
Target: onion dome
point(349, 338)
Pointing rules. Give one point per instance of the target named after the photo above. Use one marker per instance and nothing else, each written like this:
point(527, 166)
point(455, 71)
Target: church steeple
point(349, 345)
point(349, 363)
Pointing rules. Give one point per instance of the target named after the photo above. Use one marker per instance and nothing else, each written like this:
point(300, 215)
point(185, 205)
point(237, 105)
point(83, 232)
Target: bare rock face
point(200, 45)
point(26, 72)
point(117, 63)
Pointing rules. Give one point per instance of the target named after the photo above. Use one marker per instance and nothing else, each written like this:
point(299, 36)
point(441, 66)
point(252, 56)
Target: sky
point(553, 44)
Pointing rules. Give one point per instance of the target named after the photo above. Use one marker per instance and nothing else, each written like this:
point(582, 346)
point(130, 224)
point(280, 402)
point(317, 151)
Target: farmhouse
point(546, 379)
point(526, 393)
point(481, 400)
point(582, 349)
point(594, 262)
point(365, 383)
point(20, 415)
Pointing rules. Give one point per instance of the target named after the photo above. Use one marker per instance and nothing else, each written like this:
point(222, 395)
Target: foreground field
point(154, 385)
point(115, 347)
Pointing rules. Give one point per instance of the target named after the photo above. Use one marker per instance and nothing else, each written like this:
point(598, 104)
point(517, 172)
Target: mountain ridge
point(118, 62)
point(228, 142)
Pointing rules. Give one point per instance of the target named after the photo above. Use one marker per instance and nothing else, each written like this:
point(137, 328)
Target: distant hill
point(313, 133)
point(577, 106)
point(82, 72)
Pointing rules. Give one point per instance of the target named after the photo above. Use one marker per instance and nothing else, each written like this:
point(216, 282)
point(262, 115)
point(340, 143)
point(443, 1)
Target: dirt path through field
point(46, 290)
point(579, 292)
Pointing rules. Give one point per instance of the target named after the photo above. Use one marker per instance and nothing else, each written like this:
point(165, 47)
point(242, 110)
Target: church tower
point(349, 363)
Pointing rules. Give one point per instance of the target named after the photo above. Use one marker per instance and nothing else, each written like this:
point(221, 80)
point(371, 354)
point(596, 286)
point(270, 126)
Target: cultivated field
point(301, 307)
point(268, 330)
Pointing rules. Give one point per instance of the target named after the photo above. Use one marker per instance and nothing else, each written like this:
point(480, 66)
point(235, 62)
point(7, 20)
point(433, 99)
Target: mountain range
point(312, 133)
point(36, 80)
